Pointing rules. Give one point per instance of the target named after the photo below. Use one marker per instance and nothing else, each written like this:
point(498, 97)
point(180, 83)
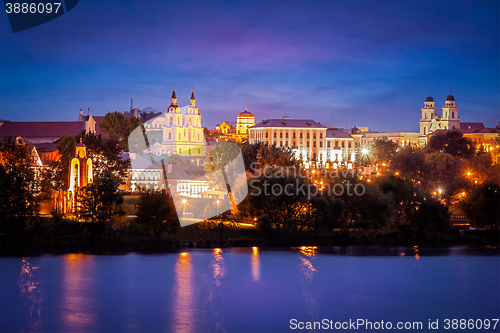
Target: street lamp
point(184, 201)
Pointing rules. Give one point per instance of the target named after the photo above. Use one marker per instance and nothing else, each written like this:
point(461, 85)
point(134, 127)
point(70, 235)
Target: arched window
point(308, 135)
point(281, 135)
point(321, 135)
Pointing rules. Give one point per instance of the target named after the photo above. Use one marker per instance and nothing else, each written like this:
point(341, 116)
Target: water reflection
point(31, 295)
point(78, 308)
point(415, 250)
point(255, 264)
point(183, 299)
point(308, 272)
point(309, 251)
point(216, 296)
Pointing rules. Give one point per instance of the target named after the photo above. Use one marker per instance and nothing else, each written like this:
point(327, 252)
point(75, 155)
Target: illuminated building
point(311, 142)
point(431, 121)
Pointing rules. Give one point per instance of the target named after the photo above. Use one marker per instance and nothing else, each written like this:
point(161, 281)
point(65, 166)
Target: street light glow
point(364, 151)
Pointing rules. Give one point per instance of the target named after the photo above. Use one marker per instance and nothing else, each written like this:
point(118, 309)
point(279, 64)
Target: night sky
point(370, 62)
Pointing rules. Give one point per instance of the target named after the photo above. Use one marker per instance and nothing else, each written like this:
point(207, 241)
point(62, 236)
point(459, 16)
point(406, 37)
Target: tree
point(383, 150)
point(278, 201)
point(56, 175)
point(405, 196)
point(100, 201)
point(375, 211)
point(106, 157)
point(118, 127)
point(19, 189)
point(157, 213)
point(410, 163)
point(482, 205)
point(453, 143)
point(431, 217)
point(176, 160)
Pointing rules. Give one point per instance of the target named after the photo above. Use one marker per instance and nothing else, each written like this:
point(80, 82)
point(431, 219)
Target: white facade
point(308, 139)
point(181, 133)
point(431, 121)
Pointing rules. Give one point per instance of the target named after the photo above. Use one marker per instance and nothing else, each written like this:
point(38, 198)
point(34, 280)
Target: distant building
point(431, 121)
point(229, 131)
point(46, 131)
point(175, 132)
point(312, 143)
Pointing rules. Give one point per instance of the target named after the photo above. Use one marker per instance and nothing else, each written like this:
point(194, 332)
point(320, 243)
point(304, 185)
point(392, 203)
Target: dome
point(450, 98)
point(245, 114)
point(429, 99)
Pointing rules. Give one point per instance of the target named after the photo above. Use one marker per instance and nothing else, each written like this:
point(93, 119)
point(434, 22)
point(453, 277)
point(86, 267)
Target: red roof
point(471, 126)
point(41, 129)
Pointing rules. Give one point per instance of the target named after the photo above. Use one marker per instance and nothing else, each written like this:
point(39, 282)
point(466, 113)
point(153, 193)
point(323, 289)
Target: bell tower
point(429, 112)
point(450, 120)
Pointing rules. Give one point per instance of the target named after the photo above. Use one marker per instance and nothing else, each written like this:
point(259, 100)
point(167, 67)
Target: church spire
point(193, 100)
point(174, 100)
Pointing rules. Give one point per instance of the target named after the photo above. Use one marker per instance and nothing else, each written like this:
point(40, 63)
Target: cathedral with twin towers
point(431, 121)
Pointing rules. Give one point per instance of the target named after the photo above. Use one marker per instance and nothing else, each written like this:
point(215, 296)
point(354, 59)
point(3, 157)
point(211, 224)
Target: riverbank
point(49, 235)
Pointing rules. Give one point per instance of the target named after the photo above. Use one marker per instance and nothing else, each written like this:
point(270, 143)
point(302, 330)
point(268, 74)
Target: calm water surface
point(246, 289)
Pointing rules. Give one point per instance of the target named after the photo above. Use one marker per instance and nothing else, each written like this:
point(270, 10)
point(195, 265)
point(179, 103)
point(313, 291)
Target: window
point(453, 114)
point(286, 135)
point(169, 135)
point(198, 151)
point(307, 144)
point(308, 135)
point(171, 121)
point(321, 144)
point(314, 136)
point(349, 145)
point(328, 144)
point(301, 135)
point(275, 135)
point(293, 135)
point(179, 136)
point(343, 144)
point(321, 135)
point(189, 151)
point(314, 143)
point(281, 135)
point(293, 144)
point(281, 143)
point(267, 135)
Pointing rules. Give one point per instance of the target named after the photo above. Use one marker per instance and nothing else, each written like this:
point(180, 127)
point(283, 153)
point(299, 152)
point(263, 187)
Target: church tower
point(182, 133)
point(429, 115)
point(450, 120)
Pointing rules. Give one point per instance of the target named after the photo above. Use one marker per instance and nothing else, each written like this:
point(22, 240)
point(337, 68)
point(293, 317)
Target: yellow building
point(177, 132)
point(244, 120)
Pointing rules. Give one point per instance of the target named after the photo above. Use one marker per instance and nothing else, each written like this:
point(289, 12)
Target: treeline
point(410, 201)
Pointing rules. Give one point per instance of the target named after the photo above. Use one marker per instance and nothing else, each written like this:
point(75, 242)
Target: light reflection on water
point(255, 264)
point(308, 271)
point(183, 299)
point(243, 290)
point(216, 296)
point(78, 305)
point(31, 294)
